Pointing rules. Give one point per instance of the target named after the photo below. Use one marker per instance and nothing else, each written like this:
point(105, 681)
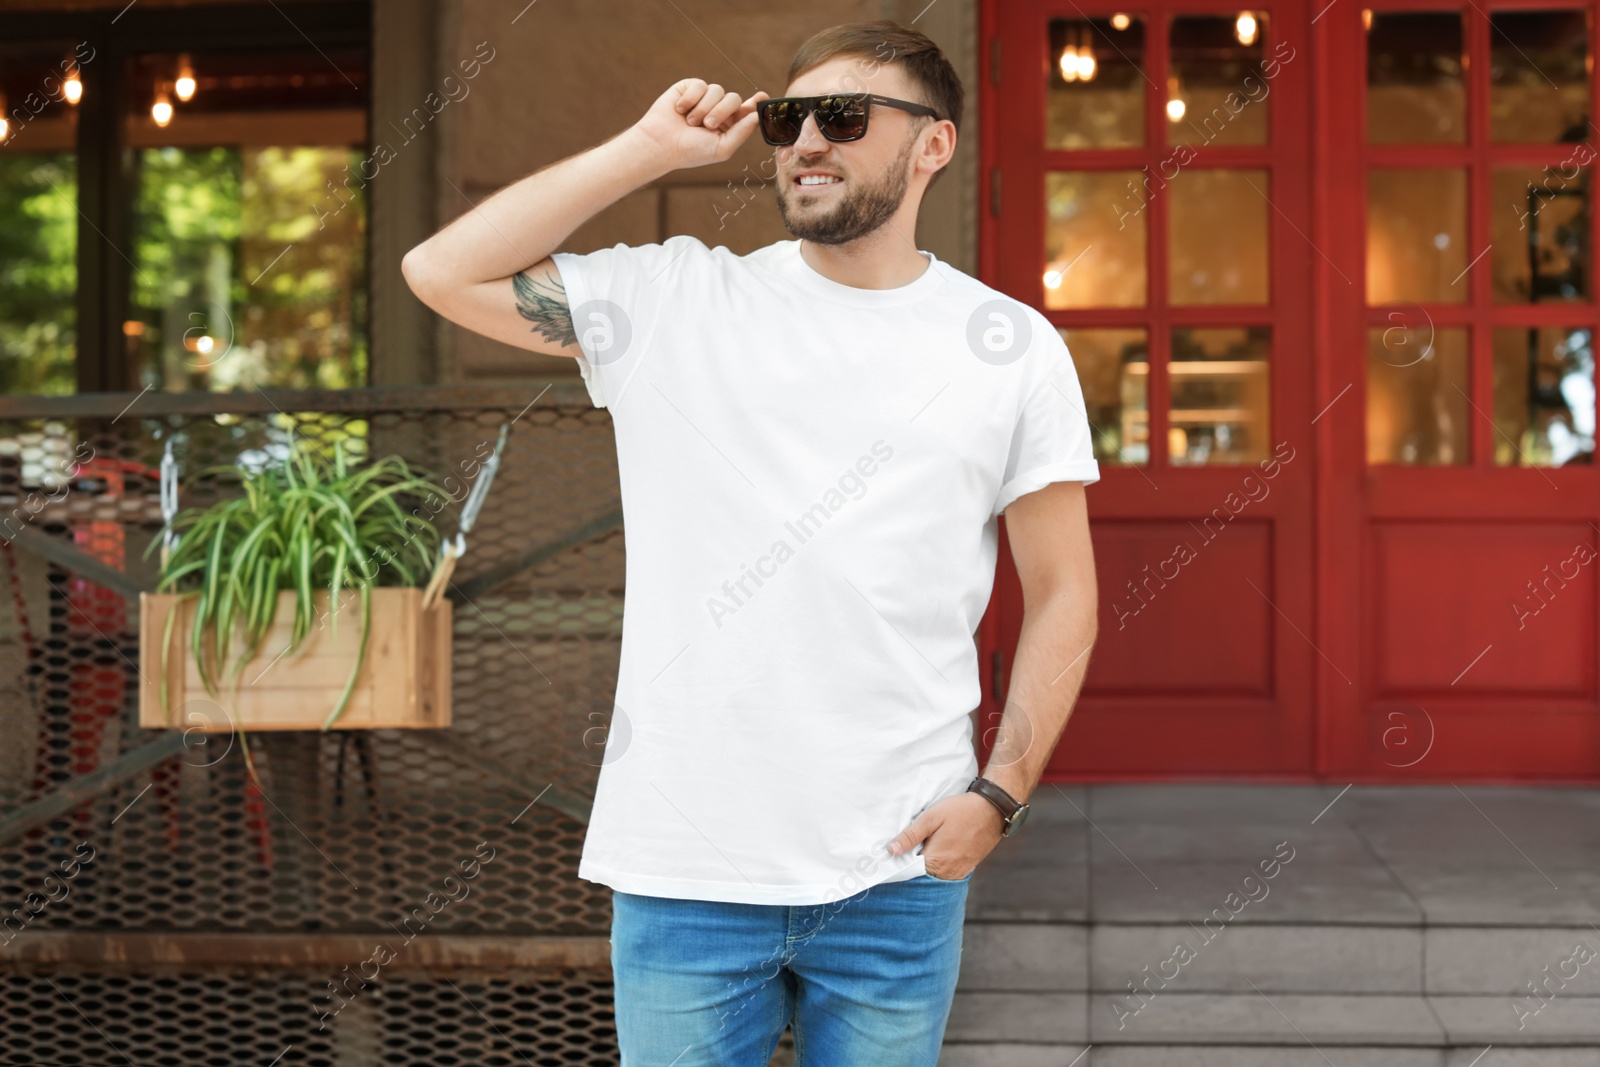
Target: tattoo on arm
point(545, 305)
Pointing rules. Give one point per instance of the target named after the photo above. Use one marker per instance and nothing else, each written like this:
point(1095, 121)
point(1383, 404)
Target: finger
point(721, 116)
point(751, 101)
point(690, 91)
point(913, 835)
point(708, 100)
point(744, 127)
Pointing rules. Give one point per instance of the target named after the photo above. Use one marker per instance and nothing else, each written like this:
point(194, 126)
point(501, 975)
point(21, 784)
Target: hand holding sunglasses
point(695, 123)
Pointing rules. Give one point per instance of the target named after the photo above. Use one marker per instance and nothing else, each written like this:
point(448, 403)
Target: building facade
point(1323, 270)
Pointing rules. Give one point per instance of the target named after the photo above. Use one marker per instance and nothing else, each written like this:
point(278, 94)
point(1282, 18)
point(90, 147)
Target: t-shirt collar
point(795, 267)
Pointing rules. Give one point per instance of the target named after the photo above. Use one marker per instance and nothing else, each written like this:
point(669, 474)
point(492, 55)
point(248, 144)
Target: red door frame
point(1135, 731)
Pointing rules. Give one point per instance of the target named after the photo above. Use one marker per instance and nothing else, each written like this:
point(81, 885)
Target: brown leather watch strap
point(1004, 802)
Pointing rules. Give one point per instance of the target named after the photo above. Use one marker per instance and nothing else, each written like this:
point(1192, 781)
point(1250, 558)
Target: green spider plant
point(312, 522)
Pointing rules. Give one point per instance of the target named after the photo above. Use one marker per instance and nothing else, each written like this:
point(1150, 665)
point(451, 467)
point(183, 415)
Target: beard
point(860, 211)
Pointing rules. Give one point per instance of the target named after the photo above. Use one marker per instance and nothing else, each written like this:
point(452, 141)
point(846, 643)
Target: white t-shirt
point(810, 477)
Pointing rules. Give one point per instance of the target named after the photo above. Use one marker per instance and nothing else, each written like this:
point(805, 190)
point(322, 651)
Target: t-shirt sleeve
point(1051, 440)
point(616, 296)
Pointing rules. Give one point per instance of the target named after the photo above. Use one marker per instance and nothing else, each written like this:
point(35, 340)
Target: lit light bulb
point(5, 128)
point(1119, 21)
point(161, 110)
point(72, 88)
point(1175, 109)
point(1069, 63)
point(1052, 279)
point(185, 84)
point(1086, 64)
point(1245, 27)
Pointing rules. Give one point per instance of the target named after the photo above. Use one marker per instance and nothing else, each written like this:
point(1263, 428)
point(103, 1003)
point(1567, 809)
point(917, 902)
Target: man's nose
point(810, 139)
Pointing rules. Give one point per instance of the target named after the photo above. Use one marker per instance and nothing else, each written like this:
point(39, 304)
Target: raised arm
point(490, 270)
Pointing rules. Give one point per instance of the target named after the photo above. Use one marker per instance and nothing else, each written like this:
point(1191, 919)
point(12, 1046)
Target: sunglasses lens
point(842, 118)
point(781, 121)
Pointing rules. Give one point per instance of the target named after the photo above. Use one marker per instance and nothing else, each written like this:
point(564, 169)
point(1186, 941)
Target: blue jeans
point(864, 980)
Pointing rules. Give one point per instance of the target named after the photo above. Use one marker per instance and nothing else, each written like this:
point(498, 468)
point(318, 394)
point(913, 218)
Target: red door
point(1324, 273)
point(1146, 187)
point(1461, 500)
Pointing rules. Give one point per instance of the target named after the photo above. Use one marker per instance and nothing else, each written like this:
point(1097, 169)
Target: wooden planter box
point(404, 682)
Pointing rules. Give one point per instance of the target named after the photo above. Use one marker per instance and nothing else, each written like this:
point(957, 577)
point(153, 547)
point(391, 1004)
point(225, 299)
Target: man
point(814, 443)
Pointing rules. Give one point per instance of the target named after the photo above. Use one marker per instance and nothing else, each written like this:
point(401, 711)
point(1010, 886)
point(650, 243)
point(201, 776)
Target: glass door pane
point(1217, 93)
point(1539, 76)
point(1094, 240)
point(1220, 395)
point(1416, 235)
point(1416, 87)
point(1218, 237)
point(1544, 402)
point(1114, 370)
point(1417, 396)
point(1095, 85)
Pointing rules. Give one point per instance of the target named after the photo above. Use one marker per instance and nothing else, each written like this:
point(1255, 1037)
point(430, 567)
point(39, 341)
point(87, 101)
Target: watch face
point(1018, 817)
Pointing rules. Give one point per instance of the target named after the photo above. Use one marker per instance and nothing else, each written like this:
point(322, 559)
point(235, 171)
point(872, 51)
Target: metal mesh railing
point(230, 1018)
point(108, 841)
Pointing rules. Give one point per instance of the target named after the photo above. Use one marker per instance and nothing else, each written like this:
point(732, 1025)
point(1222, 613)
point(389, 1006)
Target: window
point(1480, 309)
point(191, 214)
point(1194, 389)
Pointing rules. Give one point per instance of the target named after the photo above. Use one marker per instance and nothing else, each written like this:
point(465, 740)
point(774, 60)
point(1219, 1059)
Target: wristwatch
point(1011, 810)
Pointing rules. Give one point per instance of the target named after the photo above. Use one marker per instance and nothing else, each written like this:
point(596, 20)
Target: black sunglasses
point(840, 116)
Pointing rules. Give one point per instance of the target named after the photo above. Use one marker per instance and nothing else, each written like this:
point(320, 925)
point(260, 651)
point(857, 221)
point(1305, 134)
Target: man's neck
point(883, 260)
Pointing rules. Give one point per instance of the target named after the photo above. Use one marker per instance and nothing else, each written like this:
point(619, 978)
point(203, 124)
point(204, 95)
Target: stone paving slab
point(1297, 959)
point(1476, 960)
point(1279, 1019)
point(1562, 1020)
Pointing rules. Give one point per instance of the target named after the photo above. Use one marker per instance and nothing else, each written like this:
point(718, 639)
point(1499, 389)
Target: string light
point(1175, 105)
point(72, 86)
point(1119, 21)
point(5, 126)
point(1077, 61)
point(161, 110)
point(185, 85)
point(1245, 28)
point(1069, 62)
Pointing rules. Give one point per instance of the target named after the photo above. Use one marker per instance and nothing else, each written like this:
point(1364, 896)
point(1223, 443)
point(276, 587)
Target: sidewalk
point(1406, 926)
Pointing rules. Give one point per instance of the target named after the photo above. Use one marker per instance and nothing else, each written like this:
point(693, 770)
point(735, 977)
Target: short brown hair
point(885, 41)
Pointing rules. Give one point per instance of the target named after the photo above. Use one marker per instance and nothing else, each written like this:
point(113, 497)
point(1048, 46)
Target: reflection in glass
point(1540, 222)
point(1222, 92)
point(1544, 408)
point(1220, 395)
point(1094, 241)
point(1416, 235)
point(38, 272)
point(1113, 368)
point(1219, 237)
point(249, 222)
point(38, 220)
point(1417, 396)
point(1095, 83)
point(1538, 76)
point(1415, 90)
